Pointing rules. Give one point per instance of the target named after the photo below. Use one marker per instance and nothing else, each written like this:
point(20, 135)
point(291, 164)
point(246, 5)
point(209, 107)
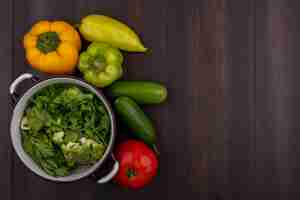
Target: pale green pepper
point(100, 28)
point(101, 64)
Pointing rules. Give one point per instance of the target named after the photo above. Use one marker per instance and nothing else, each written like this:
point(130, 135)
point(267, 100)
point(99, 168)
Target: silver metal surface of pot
point(15, 131)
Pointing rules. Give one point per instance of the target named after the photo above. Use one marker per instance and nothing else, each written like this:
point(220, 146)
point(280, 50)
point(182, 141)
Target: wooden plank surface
point(6, 56)
point(239, 90)
point(277, 95)
point(230, 127)
point(187, 42)
point(261, 110)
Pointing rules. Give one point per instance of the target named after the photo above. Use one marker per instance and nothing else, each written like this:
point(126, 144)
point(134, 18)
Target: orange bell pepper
point(52, 47)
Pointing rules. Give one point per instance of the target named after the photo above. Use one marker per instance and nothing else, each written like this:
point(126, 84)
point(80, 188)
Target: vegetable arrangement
point(65, 126)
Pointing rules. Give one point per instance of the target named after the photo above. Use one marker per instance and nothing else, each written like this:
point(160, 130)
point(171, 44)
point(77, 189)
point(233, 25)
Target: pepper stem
point(48, 42)
point(99, 63)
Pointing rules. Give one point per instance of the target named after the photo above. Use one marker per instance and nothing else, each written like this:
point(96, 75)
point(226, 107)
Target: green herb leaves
point(65, 126)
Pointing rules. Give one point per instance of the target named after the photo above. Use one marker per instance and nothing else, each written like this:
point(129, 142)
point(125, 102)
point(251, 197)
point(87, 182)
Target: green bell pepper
point(101, 64)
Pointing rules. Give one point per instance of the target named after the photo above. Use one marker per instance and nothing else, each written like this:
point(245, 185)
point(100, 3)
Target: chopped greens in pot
point(63, 127)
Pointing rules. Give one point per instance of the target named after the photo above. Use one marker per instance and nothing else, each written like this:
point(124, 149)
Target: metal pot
point(15, 131)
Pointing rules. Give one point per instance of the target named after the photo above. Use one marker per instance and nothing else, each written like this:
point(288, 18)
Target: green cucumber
point(135, 118)
point(143, 92)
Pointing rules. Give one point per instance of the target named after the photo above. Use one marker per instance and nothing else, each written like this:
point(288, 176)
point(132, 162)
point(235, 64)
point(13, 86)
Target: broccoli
point(86, 151)
point(58, 137)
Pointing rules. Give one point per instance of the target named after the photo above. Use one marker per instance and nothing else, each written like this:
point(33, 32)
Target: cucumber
point(136, 120)
point(143, 92)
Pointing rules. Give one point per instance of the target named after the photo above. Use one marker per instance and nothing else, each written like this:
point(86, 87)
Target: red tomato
point(138, 164)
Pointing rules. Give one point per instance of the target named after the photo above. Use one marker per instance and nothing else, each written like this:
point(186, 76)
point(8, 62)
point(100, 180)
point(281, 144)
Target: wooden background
point(230, 128)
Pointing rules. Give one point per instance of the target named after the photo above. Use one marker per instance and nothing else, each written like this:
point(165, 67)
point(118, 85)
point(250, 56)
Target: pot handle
point(113, 172)
point(13, 86)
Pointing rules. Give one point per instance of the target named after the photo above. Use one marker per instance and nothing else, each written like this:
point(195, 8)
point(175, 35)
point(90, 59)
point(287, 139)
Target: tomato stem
point(131, 173)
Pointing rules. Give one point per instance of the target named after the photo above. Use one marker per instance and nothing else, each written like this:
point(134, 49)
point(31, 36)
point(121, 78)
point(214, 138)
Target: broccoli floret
point(95, 149)
point(72, 92)
point(58, 137)
point(24, 124)
point(87, 151)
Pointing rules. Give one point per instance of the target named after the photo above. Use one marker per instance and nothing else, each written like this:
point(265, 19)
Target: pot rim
point(22, 154)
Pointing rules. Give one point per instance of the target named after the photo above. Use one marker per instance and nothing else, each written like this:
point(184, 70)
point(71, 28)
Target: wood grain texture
point(261, 100)
point(230, 127)
point(187, 41)
point(239, 104)
point(277, 95)
point(6, 56)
